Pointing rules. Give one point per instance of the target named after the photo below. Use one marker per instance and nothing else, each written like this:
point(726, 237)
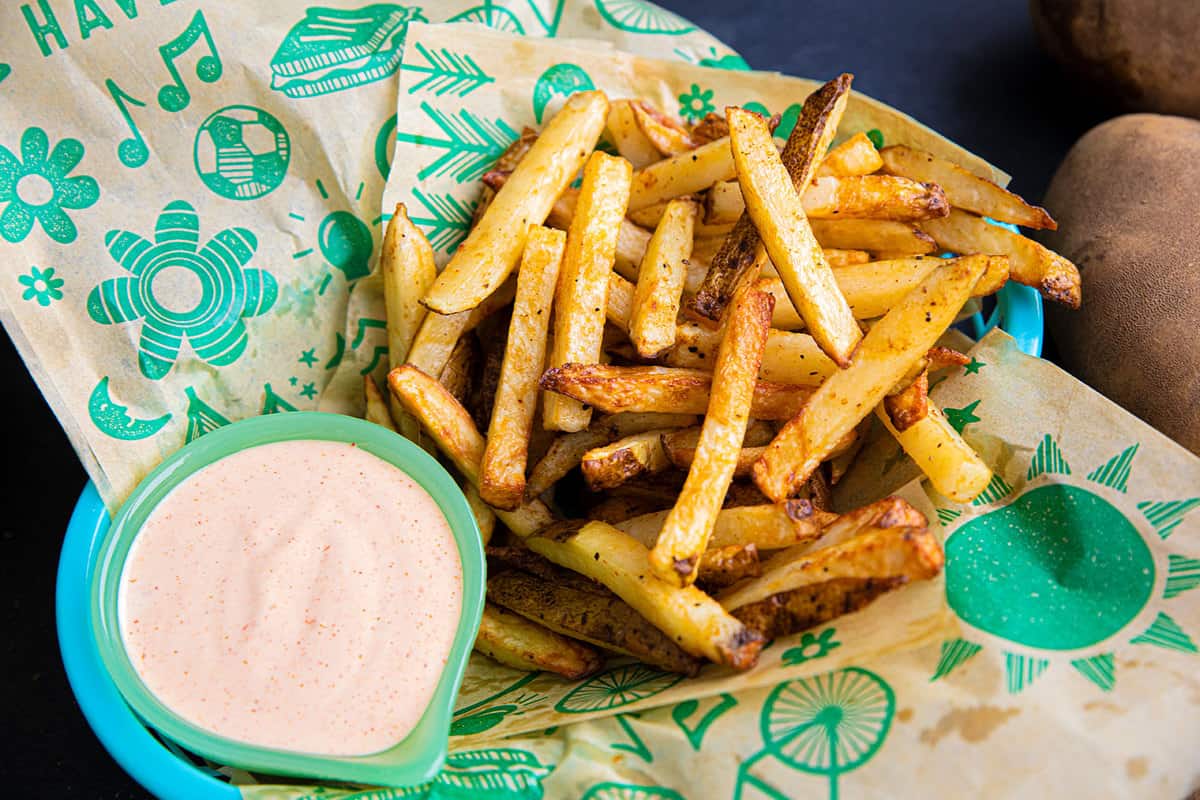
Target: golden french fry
point(661, 279)
point(855, 156)
point(620, 301)
point(910, 405)
point(516, 642)
point(900, 338)
point(874, 197)
point(492, 248)
point(377, 410)
point(455, 434)
point(612, 464)
point(676, 555)
point(951, 465)
point(790, 358)
point(965, 189)
point(507, 162)
point(695, 621)
point(439, 334)
point(1029, 263)
point(741, 257)
point(686, 173)
point(875, 235)
point(485, 518)
point(669, 137)
point(631, 143)
point(582, 295)
point(723, 203)
point(408, 268)
point(680, 446)
point(502, 472)
point(667, 390)
point(844, 258)
point(767, 527)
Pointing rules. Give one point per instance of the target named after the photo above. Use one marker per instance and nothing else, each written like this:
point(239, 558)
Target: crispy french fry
point(875, 235)
point(377, 410)
point(612, 464)
point(724, 566)
point(1029, 263)
point(742, 255)
point(874, 197)
point(502, 472)
point(696, 622)
point(493, 340)
point(660, 280)
point(809, 606)
point(686, 173)
point(459, 373)
point(767, 527)
point(790, 358)
point(507, 162)
point(516, 642)
point(965, 189)
point(939, 451)
point(680, 446)
point(900, 338)
point(485, 518)
point(455, 434)
point(408, 268)
point(663, 390)
point(855, 156)
point(709, 129)
point(909, 406)
point(582, 293)
point(684, 457)
point(598, 617)
point(492, 248)
point(676, 554)
point(439, 333)
point(668, 136)
point(632, 144)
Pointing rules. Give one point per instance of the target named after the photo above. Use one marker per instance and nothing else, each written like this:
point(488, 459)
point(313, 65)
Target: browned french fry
point(618, 506)
point(874, 197)
point(660, 280)
point(709, 129)
point(686, 173)
point(377, 410)
point(613, 464)
point(516, 642)
point(493, 247)
point(724, 566)
point(767, 527)
point(683, 457)
point(939, 451)
point(965, 189)
point(631, 143)
point(909, 406)
point(899, 339)
point(502, 472)
point(459, 373)
point(855, 156)
point(680, 446)
point(668, 136)
point(696, 622)
point(675, 556)
point(439, 333)
point(662, 390)
point(493, 340)
point(875, 235)
point(583, 284)
point(1029, 263)
point(809, 606)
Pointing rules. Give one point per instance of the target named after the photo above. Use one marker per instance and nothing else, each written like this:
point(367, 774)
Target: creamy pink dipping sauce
point(298, 596)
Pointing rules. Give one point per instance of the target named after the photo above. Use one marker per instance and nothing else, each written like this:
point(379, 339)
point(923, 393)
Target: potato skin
point(1125, 205)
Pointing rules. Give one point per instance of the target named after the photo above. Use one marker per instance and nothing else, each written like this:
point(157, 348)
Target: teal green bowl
point(417, 758)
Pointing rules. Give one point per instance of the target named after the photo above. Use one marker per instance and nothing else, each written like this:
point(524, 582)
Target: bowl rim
point(421, 754)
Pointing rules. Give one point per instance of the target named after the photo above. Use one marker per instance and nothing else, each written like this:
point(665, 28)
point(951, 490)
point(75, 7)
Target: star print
point(309, 391)
point(960, 418)
point(973, 367)
point(293, 380)
point(308, 357)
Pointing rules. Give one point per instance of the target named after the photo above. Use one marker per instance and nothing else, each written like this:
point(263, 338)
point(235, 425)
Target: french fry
point(695, 622)
point(840, 464)
point(459, 373)
point(1029, 263)
point(582, 293)
point(809, 606)
point(680, 446)
point(684, 457)
point(620, 301)
point(377, 410)
point(723, 203)
point(516, 642)
point(676, 555)
point(939, 451)
point(742, 256)
point(855, 156)
point(439, 333)
point(597, 617)
point(502, 471)
point(709, 129)
point(909, 406)
point(721, 567)
point(900, 338)
point(668, 136)
point(492, 248)
point(485, 518)
point(686, 173)
point(660, 280)
point(455, 434)
point(875, 235)
point(964, 189)
point(406, 262)
point(492, 335)
point(667, 390)
point(507, 162)
point(844, 258)
point(790, 358)
point(874, 197)
point(767, 527)
point(612, 464)
point(874, 287)
point(631, 143)
point(617, 507)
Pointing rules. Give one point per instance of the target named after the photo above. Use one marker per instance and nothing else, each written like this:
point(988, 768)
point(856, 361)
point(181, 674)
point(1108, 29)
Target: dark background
point(970, 70)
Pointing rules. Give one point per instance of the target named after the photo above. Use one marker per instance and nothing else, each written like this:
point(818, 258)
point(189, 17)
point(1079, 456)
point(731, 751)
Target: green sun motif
point(37, 185)
point(498, 773)
point(811, 647)
point(695, 103)
point(1060, 572)
point(180, 290)
point(617, 687)
point(41, 286)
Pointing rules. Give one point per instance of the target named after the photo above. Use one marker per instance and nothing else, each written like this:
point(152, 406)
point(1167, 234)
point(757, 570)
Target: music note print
point(175, 96)
point(133, 151)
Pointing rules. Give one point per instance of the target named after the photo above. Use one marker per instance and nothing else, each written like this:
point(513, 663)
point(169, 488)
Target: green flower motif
point(811, 648)
point(693, 105)
point(41, 285)
point(182, 290)
point(36, 186)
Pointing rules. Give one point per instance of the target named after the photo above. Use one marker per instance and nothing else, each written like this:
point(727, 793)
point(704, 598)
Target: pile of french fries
point(648, 383)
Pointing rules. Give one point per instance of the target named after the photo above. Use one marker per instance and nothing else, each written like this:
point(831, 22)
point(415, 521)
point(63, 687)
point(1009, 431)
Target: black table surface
point(971, 70)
